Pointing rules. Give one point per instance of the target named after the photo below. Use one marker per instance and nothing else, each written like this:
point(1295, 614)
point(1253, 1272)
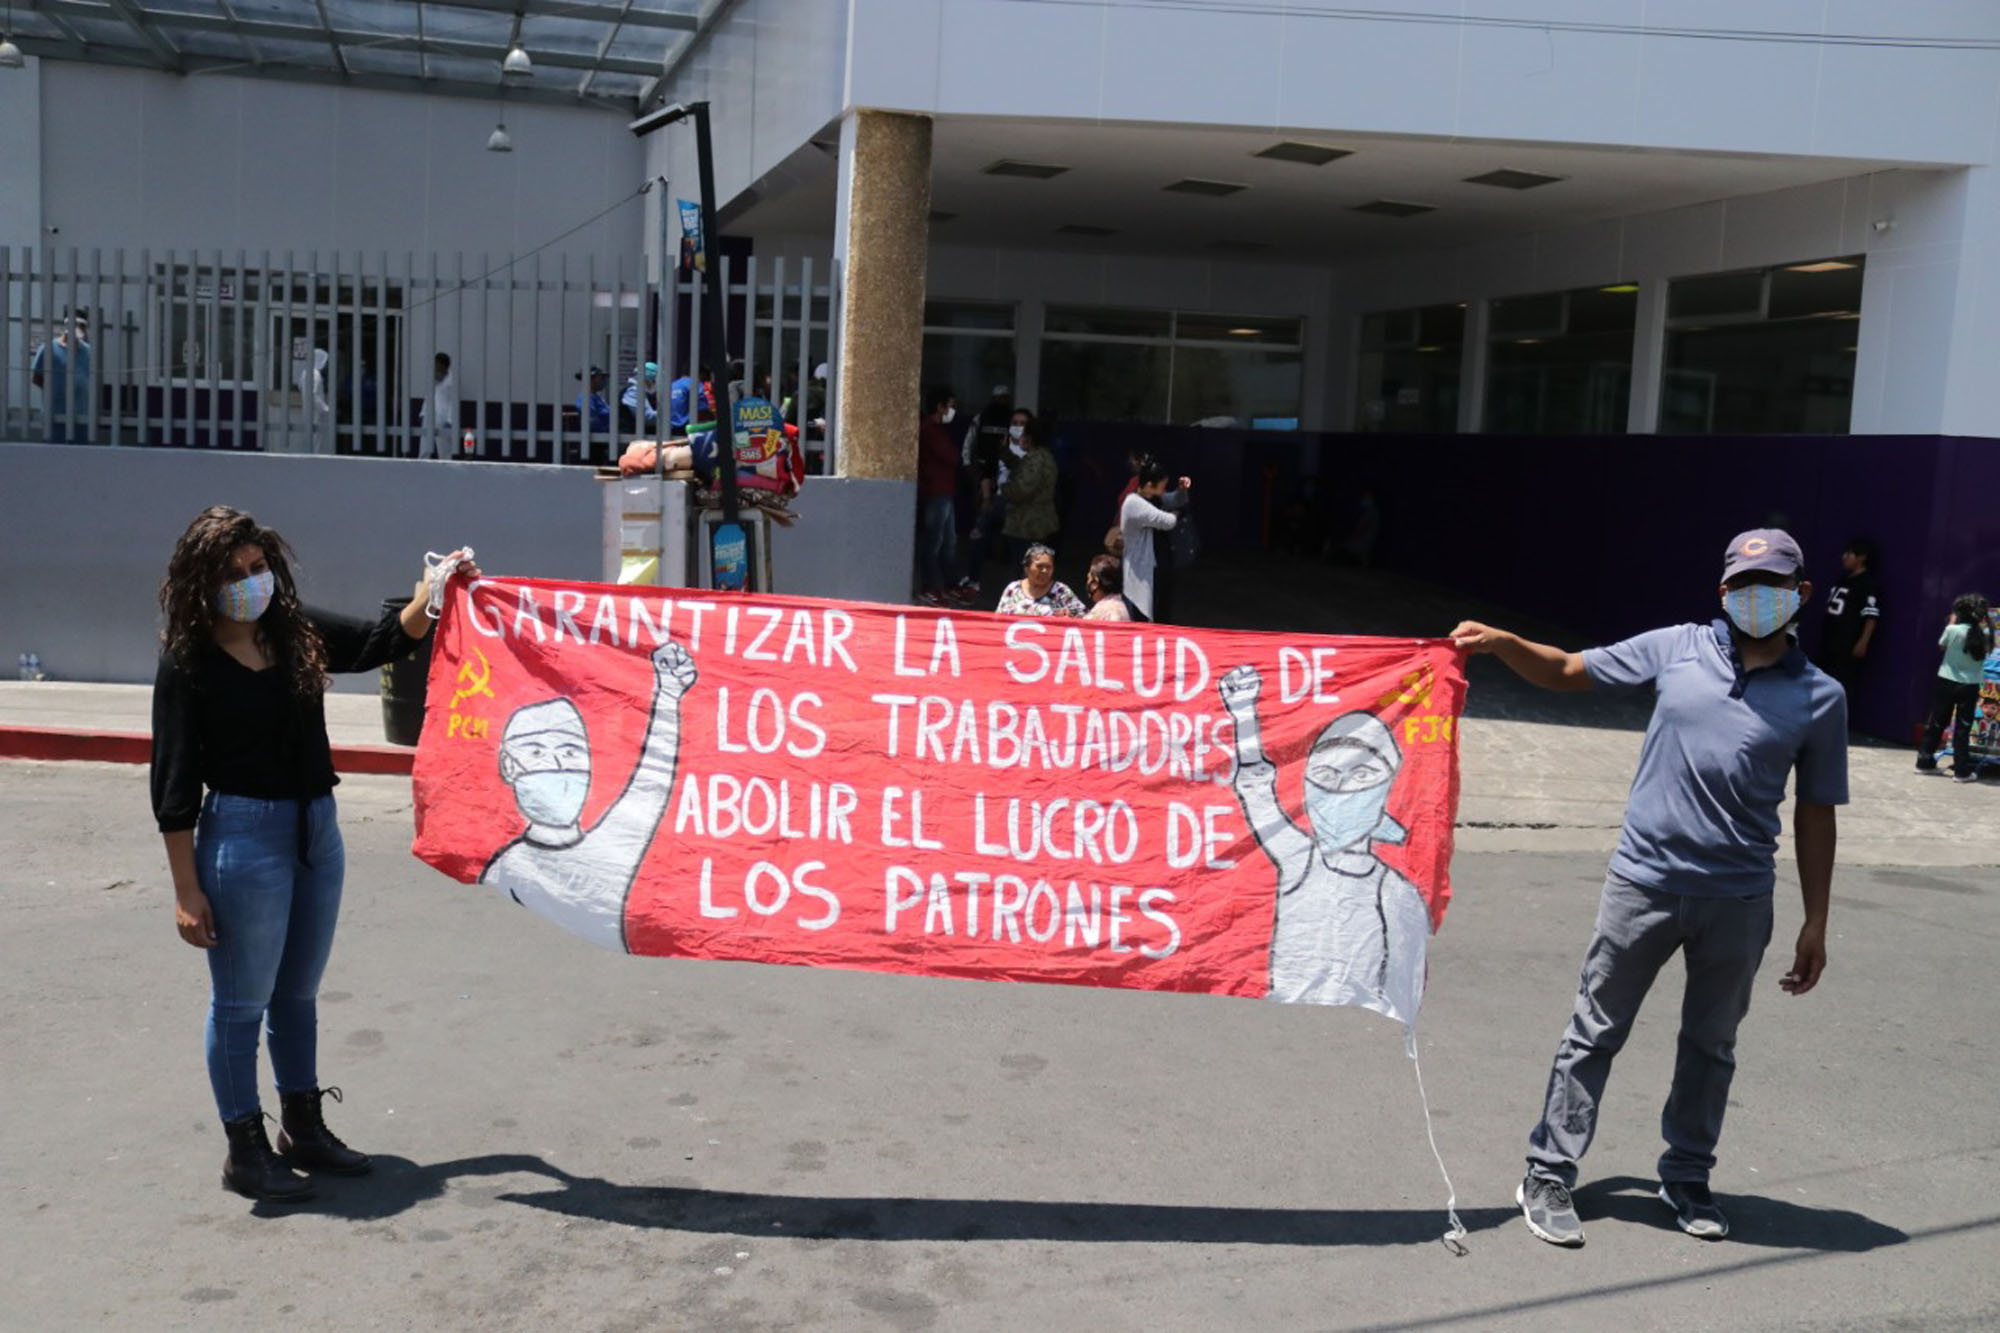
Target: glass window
point(1408, 372)
point(969, 367)
point(1528, 316)
point(1236, 329)
point(968, 315)
point(1166, 366)
point(1560, 363)
point(1717, 296)
point(968, 347)
point(1816, 289)
point(1788, 371)
point(1776, 377)
point(1102, 381)
point(1247, 384)
point(1100, 322)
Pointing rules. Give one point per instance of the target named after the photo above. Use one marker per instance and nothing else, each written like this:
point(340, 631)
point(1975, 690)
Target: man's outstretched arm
point(1537, 663)
point(1814, 834)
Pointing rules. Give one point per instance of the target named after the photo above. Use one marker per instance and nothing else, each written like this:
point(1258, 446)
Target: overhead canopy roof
point(1236, 192)
point(605, 52)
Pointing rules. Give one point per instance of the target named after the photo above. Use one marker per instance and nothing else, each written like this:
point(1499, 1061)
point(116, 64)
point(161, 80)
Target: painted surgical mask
point(947, 416)
point(553, 797)
point(1017, 432)
point(1349, 775)
point(1760, 610)
point(1341, 819)
point(246, 599)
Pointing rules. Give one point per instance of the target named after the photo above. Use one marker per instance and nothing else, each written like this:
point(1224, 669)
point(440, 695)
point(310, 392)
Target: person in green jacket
point(1029, 488)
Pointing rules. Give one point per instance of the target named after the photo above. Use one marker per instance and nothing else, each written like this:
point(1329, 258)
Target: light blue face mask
point(246, 599)
point(553, 797)
point(1761, 609)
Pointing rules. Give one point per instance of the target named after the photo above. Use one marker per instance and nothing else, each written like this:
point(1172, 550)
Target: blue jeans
point(1638, 930)
point(274, 919)
point(937, 516)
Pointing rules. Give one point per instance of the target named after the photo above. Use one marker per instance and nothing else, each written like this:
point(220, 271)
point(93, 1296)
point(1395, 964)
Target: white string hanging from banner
point(1454, 1236)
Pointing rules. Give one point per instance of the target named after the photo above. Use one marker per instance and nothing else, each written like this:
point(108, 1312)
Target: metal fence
point(333, 352)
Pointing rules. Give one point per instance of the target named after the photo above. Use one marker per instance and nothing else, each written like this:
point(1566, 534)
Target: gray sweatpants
point(1638, 930)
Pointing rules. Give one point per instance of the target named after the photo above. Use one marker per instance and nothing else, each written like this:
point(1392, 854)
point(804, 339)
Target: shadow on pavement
point(722, 1212)
point(1753, 1219)
point(398, 1184)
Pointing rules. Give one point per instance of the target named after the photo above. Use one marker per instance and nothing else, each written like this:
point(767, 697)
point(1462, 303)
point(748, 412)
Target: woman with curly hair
point(242, 780)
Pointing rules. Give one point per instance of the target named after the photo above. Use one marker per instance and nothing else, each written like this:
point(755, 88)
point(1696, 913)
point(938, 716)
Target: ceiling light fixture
point(1506, 178)
point(1393, 208)
point(1244, 333)
point(1620, 288)
point(517, 65)
point(500, 141)
point(1195, 185)
point(1008, 166)
point(10, 54)
point(1823, 266)
point(1527, 342)
point(1305, 154)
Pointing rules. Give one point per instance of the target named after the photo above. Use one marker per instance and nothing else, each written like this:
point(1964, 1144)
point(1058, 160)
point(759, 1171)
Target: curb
point(136, 747)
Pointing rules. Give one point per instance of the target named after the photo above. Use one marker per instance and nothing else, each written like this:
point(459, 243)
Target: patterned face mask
point(1760, 610)
point(246, 599)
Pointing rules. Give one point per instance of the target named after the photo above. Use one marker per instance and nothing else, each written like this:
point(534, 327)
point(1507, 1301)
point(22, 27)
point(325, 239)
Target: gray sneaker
point(1694, 1208)
point(1546, 1204)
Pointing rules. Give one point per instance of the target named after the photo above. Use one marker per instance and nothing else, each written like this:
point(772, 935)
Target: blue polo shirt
point(1702, 817)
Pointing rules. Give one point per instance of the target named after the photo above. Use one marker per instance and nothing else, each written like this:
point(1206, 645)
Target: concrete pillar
point(1649, 358)
point(1472, 367)
point(880, 252)
point(1030, 313)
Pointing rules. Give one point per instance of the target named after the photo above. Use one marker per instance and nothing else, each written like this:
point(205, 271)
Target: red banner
point(789, 780)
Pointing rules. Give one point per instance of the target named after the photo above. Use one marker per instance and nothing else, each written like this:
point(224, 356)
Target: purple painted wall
point(1610, 534)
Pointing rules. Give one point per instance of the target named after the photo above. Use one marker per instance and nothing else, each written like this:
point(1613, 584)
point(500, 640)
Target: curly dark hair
point(200, 566)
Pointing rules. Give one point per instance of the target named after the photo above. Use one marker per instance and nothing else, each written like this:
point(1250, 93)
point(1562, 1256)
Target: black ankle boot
point(253, 1170)
point(304, 1137)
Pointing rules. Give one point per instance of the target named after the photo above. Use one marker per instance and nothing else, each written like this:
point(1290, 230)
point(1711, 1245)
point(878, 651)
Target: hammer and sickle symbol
point(473, 680)
point(1416, 690)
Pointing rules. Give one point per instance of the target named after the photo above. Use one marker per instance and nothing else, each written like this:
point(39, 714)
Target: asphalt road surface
point(567, 1139)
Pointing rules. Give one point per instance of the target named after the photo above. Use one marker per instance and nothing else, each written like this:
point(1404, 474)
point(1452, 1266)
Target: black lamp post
point(709, 337)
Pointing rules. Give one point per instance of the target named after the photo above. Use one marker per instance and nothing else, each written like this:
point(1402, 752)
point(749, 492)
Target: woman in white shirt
point(1147, 511)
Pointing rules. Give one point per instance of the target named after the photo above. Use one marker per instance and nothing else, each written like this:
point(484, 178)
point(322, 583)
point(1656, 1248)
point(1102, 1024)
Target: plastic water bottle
point(23, 662)
point(34, 666)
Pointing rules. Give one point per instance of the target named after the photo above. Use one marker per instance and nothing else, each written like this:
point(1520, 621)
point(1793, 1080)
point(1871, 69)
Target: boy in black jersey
point(1853, 607)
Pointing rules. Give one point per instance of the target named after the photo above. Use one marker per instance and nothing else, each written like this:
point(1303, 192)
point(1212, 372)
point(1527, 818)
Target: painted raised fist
point(675, 668)
point(1240, 688)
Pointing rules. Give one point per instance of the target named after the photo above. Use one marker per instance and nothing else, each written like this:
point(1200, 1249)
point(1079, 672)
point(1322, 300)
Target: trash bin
point(404, 681)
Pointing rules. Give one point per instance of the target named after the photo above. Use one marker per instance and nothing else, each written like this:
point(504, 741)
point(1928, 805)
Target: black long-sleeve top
point(227, 728)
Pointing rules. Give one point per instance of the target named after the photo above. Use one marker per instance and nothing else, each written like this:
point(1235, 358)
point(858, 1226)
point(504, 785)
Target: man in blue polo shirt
point(1739, 709)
